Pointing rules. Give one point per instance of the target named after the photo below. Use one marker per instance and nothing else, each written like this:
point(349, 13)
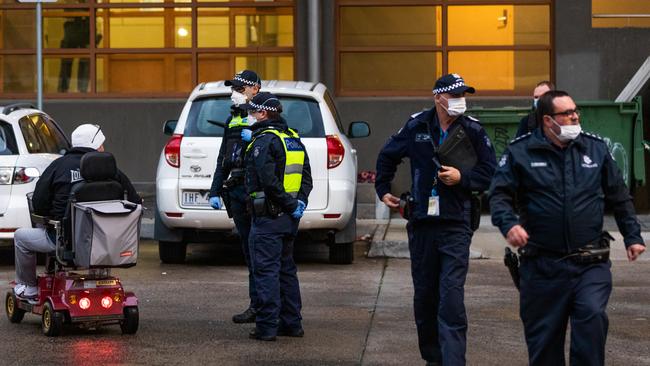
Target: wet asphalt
point(359, 314)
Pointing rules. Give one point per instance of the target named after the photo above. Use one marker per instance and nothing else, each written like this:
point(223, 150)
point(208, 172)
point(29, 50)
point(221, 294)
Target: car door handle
point(195, 156)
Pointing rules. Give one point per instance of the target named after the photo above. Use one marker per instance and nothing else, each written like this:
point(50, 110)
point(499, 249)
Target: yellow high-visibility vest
point(294, 159)
point(238, 121)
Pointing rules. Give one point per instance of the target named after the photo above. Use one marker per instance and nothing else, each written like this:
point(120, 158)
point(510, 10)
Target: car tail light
point(6, 175)
point(173, 151)
point(331, 216)
point(25, 175)
point(335, 151)
point(9, 230)
point(107, 302)
point(84, 303)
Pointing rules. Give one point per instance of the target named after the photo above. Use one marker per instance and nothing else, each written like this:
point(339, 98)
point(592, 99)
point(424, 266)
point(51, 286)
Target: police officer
point(278, 180)
point(529, 122)
point(564, 178)
point(438, 228)
point(230, 174)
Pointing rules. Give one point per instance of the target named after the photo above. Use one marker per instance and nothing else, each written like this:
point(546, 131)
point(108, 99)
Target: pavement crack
point(374, 310)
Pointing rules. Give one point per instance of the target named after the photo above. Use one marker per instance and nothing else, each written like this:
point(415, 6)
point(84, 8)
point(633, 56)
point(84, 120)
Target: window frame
point(93, 51)
point(444, 48)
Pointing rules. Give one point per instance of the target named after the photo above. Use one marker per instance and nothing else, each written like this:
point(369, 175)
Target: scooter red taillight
point(335, 151)
point(173, 151)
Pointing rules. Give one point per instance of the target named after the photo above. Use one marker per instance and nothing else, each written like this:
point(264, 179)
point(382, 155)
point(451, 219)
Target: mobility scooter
point(99, 231)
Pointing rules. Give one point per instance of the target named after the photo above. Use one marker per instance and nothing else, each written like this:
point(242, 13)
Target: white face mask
point(251, 120)
point(567, 133)
point(456, 106)
point(238, 98)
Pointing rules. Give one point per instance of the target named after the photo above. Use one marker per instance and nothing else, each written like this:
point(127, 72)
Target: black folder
point(457, 150)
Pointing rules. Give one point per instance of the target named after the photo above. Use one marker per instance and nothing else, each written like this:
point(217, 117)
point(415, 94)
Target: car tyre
point(14, 313)
point(341, 253)
point(51, 321)
point(171, 252)
point(131, 320)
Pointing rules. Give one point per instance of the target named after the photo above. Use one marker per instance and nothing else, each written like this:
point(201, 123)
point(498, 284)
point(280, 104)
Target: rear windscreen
point(7, 140)
point(301, 114)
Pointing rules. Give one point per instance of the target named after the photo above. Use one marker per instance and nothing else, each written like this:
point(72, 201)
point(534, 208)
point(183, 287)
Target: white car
point(29, 141)
point(188, 161)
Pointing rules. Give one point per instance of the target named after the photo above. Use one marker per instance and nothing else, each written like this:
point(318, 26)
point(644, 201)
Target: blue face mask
point(535, 103)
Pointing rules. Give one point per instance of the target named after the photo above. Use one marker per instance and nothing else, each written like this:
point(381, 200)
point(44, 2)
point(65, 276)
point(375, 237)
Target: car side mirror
point(170, 126)
point(358, 129)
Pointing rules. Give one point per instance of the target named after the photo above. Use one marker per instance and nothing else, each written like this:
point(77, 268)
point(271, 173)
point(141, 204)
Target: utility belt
point(261, 206)
point(407, 206)
point(594, 252)
point(236, 178)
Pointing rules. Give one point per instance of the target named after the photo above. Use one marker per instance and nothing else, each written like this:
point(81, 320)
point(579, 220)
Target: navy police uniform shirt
point(562, 192)
point(414, 141)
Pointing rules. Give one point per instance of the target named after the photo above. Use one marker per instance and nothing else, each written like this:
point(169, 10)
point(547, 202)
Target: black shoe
point(247, 316)
point(433, 363)
point(253, 335)
point(297, 333)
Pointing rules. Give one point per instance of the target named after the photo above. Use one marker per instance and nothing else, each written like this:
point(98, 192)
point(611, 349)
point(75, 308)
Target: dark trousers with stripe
point(439, 264)
point(555, 291)
point(275, 273)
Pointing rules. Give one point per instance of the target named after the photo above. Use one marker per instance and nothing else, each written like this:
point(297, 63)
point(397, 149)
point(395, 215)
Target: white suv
point(29, 141)
point(188, 161)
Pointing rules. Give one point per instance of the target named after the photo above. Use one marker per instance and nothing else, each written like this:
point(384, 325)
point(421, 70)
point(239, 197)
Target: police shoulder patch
point(520, 138)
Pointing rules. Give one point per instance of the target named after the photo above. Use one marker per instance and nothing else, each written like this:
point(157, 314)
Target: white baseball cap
point(88, 135)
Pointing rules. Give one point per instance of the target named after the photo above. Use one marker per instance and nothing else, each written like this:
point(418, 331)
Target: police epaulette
point(473, 118)
point(520, 138)
point(592, 135)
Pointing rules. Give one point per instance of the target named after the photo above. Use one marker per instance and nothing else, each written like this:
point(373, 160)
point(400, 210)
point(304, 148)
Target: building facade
point(129, 64)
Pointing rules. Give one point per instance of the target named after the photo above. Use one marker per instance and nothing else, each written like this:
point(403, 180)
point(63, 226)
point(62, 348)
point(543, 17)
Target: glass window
point(17, 73)
point(620, 13)
point(262, 30)
point(8, 144)
point(303, 115)
point(510, 71)
point(66, 74)
point(42, 136)
point(498, 25)
point(268, 67)
point(66, 28)
point(214, 67)
point(143, 73)
point(213, 27)
point(17, 29)
point(144, 27)
point(378, 70)
point(390, 26)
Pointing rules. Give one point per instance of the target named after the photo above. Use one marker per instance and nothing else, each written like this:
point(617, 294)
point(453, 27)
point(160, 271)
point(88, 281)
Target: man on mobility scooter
point(84, 174)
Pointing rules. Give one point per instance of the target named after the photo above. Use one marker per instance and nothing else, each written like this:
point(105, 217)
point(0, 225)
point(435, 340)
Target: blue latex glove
point(247, 135)
point(215, 202)
point(300, 210)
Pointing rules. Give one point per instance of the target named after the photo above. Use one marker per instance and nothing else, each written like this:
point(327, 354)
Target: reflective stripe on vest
point(238, 121)
point(294, 159)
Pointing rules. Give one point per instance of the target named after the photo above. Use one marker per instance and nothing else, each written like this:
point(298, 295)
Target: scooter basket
point(106, 233)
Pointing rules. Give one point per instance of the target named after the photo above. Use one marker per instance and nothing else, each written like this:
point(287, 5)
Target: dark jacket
point(414, 141)
point(562, 192)
point(265, 161)
point(53, 187)
point(527, 124)
point(231, 153)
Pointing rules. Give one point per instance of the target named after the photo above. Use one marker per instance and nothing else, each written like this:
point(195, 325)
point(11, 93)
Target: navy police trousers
point(439, 263)
point(243, 224)
point(275, 274)
point(555, 291)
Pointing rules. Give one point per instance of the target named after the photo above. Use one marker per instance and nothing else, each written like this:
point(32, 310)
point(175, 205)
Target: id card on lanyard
point(434, 200)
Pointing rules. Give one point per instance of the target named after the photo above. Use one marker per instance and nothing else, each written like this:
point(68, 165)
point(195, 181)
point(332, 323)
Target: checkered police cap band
point(245, 81)
point(449, 88)
point(264, 106)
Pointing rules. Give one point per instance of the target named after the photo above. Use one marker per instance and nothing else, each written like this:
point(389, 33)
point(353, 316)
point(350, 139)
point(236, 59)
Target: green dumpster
point(619, 124)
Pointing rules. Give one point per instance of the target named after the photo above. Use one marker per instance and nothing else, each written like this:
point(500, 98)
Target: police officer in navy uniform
point(529, 122)
point(278, 181)
point(438, 229)
point(564, 178)
point(230, 173)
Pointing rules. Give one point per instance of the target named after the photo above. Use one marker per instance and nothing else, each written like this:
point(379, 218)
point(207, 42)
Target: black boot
point(253, 335)
point(247, 316)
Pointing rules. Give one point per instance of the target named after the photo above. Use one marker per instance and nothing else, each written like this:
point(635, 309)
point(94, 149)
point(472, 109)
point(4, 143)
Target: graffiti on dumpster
point(500, 140)
point(619, 155)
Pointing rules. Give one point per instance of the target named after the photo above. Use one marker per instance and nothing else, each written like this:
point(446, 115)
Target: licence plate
point(107, 283)
point(196, 198)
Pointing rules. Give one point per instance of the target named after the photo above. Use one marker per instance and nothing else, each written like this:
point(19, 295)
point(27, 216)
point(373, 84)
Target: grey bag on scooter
point(106, 233)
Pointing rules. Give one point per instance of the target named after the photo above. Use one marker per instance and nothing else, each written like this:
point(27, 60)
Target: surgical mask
point(238, 98)
point(456, 106)
point(567, 133)
point(535, 103)
point(251, 120)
